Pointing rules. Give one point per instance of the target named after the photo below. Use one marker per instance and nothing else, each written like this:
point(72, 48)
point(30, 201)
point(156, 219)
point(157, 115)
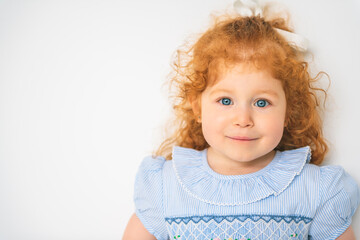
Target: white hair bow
point(248, 8)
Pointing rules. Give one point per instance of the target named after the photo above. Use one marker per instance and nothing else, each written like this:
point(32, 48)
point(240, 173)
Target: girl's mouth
point(241, 138)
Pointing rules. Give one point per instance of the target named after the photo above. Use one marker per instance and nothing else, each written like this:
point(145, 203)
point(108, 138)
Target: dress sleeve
point(339, 196)
point(148, 196)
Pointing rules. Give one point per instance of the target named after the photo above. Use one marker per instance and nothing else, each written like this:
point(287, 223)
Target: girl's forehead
point(237, 70)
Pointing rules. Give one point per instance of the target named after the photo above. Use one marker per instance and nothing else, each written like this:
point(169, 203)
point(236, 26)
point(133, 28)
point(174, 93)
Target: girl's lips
point(243, 138)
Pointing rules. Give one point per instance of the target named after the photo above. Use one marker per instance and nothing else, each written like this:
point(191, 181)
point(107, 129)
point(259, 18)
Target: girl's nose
point(243, 118)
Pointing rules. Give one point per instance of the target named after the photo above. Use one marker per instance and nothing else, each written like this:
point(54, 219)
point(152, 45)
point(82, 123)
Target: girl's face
point(242, 117)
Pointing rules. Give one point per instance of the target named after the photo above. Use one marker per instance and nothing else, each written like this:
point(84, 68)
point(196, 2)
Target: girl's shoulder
point(329, 181)
point(336, 183)
point(148, 195)
point(152, 163)
point(330, 177)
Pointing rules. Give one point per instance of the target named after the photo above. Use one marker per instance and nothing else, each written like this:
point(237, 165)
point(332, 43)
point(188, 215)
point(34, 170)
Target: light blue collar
point(201, 182)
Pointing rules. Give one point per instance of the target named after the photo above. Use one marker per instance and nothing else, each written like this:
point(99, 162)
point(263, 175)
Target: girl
point(243, 161)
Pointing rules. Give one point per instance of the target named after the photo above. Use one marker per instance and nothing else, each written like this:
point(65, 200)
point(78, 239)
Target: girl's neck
point(231, 167)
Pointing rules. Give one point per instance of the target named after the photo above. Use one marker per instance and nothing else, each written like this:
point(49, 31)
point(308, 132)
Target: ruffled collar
point(201, 182)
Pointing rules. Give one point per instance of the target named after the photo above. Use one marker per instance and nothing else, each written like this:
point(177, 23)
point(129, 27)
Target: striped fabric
point(288, 199)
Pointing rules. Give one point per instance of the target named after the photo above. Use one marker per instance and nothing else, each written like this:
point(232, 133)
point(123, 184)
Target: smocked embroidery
point(239, 227)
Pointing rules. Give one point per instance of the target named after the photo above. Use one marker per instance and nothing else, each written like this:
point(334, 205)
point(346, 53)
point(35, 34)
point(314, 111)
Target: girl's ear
point(195, 102)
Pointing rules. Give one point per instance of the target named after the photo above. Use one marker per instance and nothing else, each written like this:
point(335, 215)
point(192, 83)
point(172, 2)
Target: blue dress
point(288, 199)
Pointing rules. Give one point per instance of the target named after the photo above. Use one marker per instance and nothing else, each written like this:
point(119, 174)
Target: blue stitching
point(242, 218)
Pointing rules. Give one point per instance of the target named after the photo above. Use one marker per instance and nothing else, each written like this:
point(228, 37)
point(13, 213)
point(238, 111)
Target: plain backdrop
point(81, 102)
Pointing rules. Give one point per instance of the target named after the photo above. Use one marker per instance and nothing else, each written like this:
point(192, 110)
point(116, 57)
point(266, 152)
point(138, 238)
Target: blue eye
point(261, 103)
point(225, 101)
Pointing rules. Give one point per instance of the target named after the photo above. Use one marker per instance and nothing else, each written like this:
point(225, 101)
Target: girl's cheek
point(276, 126)
point(217, 116)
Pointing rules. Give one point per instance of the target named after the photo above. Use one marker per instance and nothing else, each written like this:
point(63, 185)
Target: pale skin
point(135, 230)
point(228, 110)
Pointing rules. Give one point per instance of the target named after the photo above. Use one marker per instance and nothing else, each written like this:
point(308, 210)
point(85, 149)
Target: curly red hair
point(252, 40)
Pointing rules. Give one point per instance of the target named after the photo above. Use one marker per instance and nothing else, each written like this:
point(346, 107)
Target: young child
point(243, 161)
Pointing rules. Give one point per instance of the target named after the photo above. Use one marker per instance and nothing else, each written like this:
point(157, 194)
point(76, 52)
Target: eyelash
point(268, 102)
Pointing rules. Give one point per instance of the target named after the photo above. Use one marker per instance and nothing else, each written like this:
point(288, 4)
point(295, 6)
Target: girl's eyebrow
point(267, 91)
point(220, 90)
point(270, 92)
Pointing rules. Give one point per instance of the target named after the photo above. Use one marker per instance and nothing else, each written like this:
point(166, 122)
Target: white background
point(81, 103)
